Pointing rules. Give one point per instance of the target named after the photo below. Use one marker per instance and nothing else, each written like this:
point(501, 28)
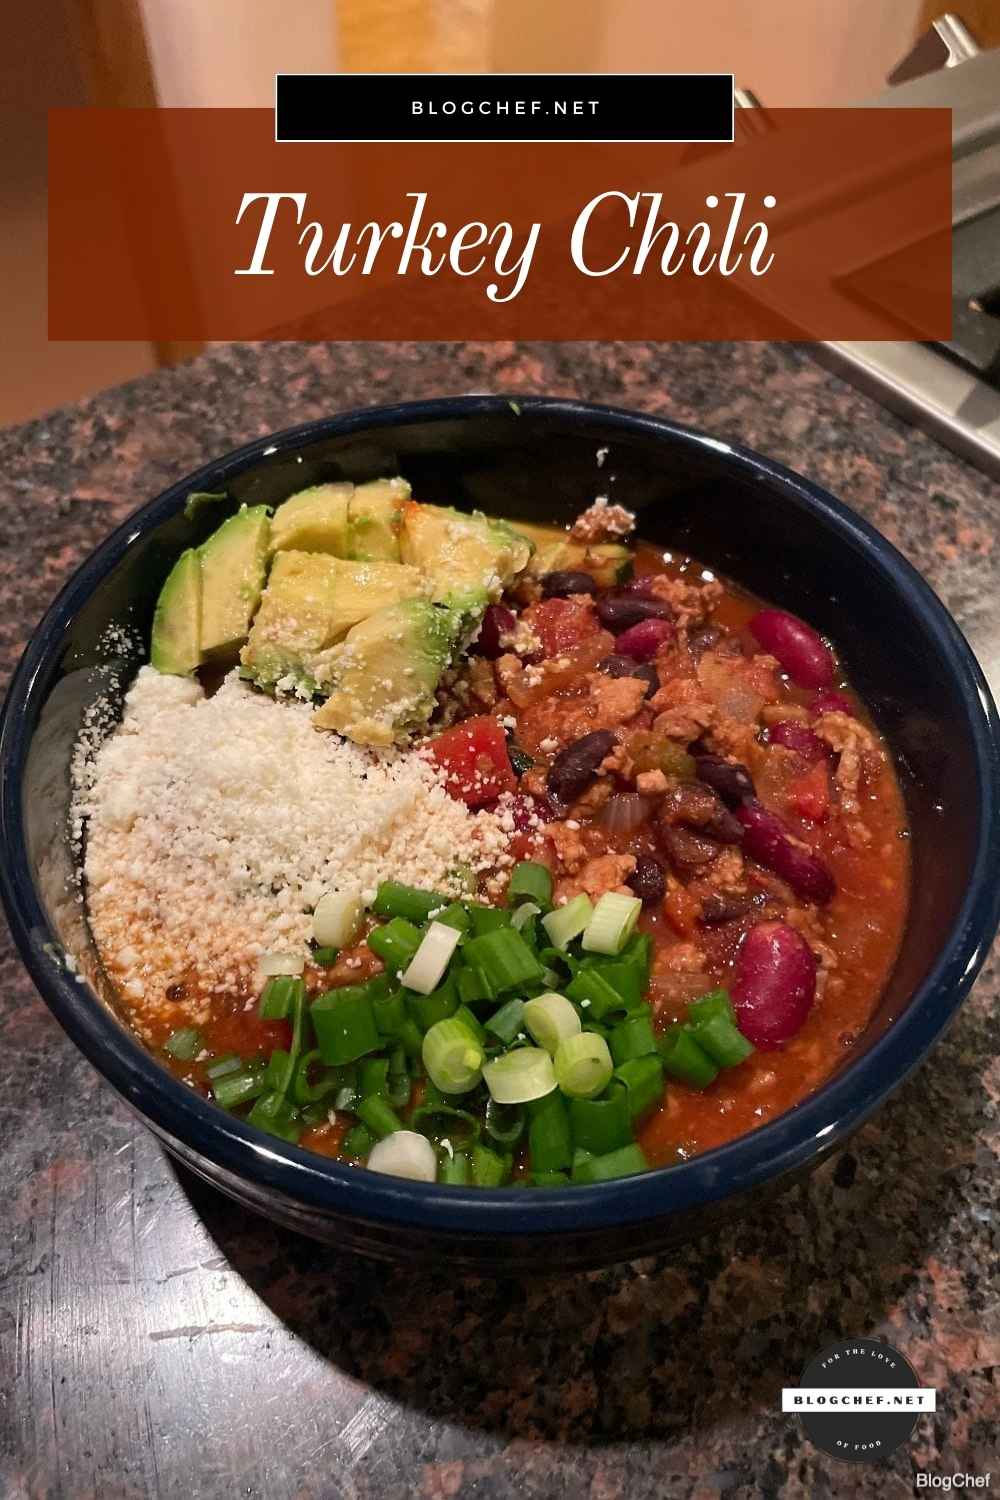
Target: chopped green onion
point(455, 1168)
point(488, 1168)
point(276, 998)
point(357, 1142)
point(567, 922)
point(530, 881)
point(404, 1154)
point(549, 1139)
point(596, 998)
point(632, 1038)
point(455, 915)
point(426, 969)
point(722, 1040)
point(611, 925)
point(390, 1013)
point(436, 1117)
point(184, 1044)
point(473, 986)
point(378, 1114)
point(625, 1162)
point(452, 1056)
point(411, 1038)
point(551, 1019)
point(504, 1122)
point(313, 1114)
point(240, 1088)
point(273, 1113)
point(224, 1065)
point(639, 950)
point(487, 918)
point(392, 899)
point(398, 1085)
point(504, 958)
point(395, 943)
point(441, 1003)
point(306, 1092)
point(278, 1070)
point(601, 1125)
point(715, 1003)
point(583, 1065)
point(344, 1022)
point(506, 1022)
point(627, 976)
point(347, 1097)
point(337, 920)
point(280, 1075)
point(683, 1058)
point(373, 1076)
point(643, 1078)
point(470, 1023)
point(549, 1179)
point(520, 1076)
point(524, 915)
point(324, 957)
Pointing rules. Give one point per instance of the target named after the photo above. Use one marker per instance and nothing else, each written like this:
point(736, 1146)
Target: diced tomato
point(473, 756)
point(681, 909)
point(809, 795)
point(561, 623)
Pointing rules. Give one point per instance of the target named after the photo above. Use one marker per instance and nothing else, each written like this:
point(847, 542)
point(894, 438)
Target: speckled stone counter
point(157, 1341)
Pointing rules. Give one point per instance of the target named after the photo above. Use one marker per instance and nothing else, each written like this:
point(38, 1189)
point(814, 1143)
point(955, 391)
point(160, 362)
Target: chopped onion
point(550, 1019)
point(273, 964)
point(336, 920)
point(624, 812)
point(518, 1077)
point(567, 922)
point(405, 1154)
point(583, 1065)
point(453, 1056)
point(611, 926)
point(426, 967)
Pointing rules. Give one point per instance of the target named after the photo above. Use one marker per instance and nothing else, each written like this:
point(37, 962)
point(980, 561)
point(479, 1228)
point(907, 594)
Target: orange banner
point(196, 224)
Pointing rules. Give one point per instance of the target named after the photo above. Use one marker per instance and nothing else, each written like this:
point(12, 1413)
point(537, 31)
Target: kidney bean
point(621, 611)
point(774, 984)
point(644, 640)
point(768, 841)
point(733, 782)
point(617, 666)
point(571, 771)
point(647, 880)
point(559, 584)
point(795, 736)
point(525, 809)
point(828, 702)
point(640, 588)
point(701, 808)
point(724, 906)
point(798, 648)
point(650, 676)
point(498, 621)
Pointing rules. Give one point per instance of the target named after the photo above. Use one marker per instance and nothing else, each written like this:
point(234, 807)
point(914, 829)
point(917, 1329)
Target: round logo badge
point(858, 1400)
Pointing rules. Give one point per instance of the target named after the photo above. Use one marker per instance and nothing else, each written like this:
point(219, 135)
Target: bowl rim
point(784, 1145)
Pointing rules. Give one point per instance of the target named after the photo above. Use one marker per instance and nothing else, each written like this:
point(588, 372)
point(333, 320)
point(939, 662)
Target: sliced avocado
point(386, 672)
point(310, 603)
point(314, 520)
point(197, 500)
point(609, 563)
point(373, 520)
point(467, 558)
point(176, 642)
point(233, 564)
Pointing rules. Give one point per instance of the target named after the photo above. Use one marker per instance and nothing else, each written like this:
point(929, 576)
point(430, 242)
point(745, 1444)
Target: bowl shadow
point(650, 1347)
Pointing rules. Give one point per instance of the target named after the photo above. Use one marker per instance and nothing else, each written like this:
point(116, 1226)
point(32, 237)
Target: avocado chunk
point(373, 520)
point(386, 672)
point(314, 520)
point(233, 565)
point(469, 559)
point(310, 603)
point(176, 642)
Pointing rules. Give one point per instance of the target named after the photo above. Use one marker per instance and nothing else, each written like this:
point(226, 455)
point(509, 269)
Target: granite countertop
point(156, 1340)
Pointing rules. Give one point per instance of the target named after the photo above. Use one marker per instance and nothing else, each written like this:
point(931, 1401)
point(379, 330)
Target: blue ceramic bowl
point(751, 519)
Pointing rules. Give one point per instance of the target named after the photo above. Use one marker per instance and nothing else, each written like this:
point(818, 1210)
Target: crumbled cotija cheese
point(214, 825)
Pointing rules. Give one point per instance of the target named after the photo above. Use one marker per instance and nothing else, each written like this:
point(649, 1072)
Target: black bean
point(724, 906)
point(647, 880)
point(571, 771)
point(687, 851)
point(733, 782)
point(498, 621)
point(620, 611)
point(618, 666)
point(557, 585)
point(648, 673)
